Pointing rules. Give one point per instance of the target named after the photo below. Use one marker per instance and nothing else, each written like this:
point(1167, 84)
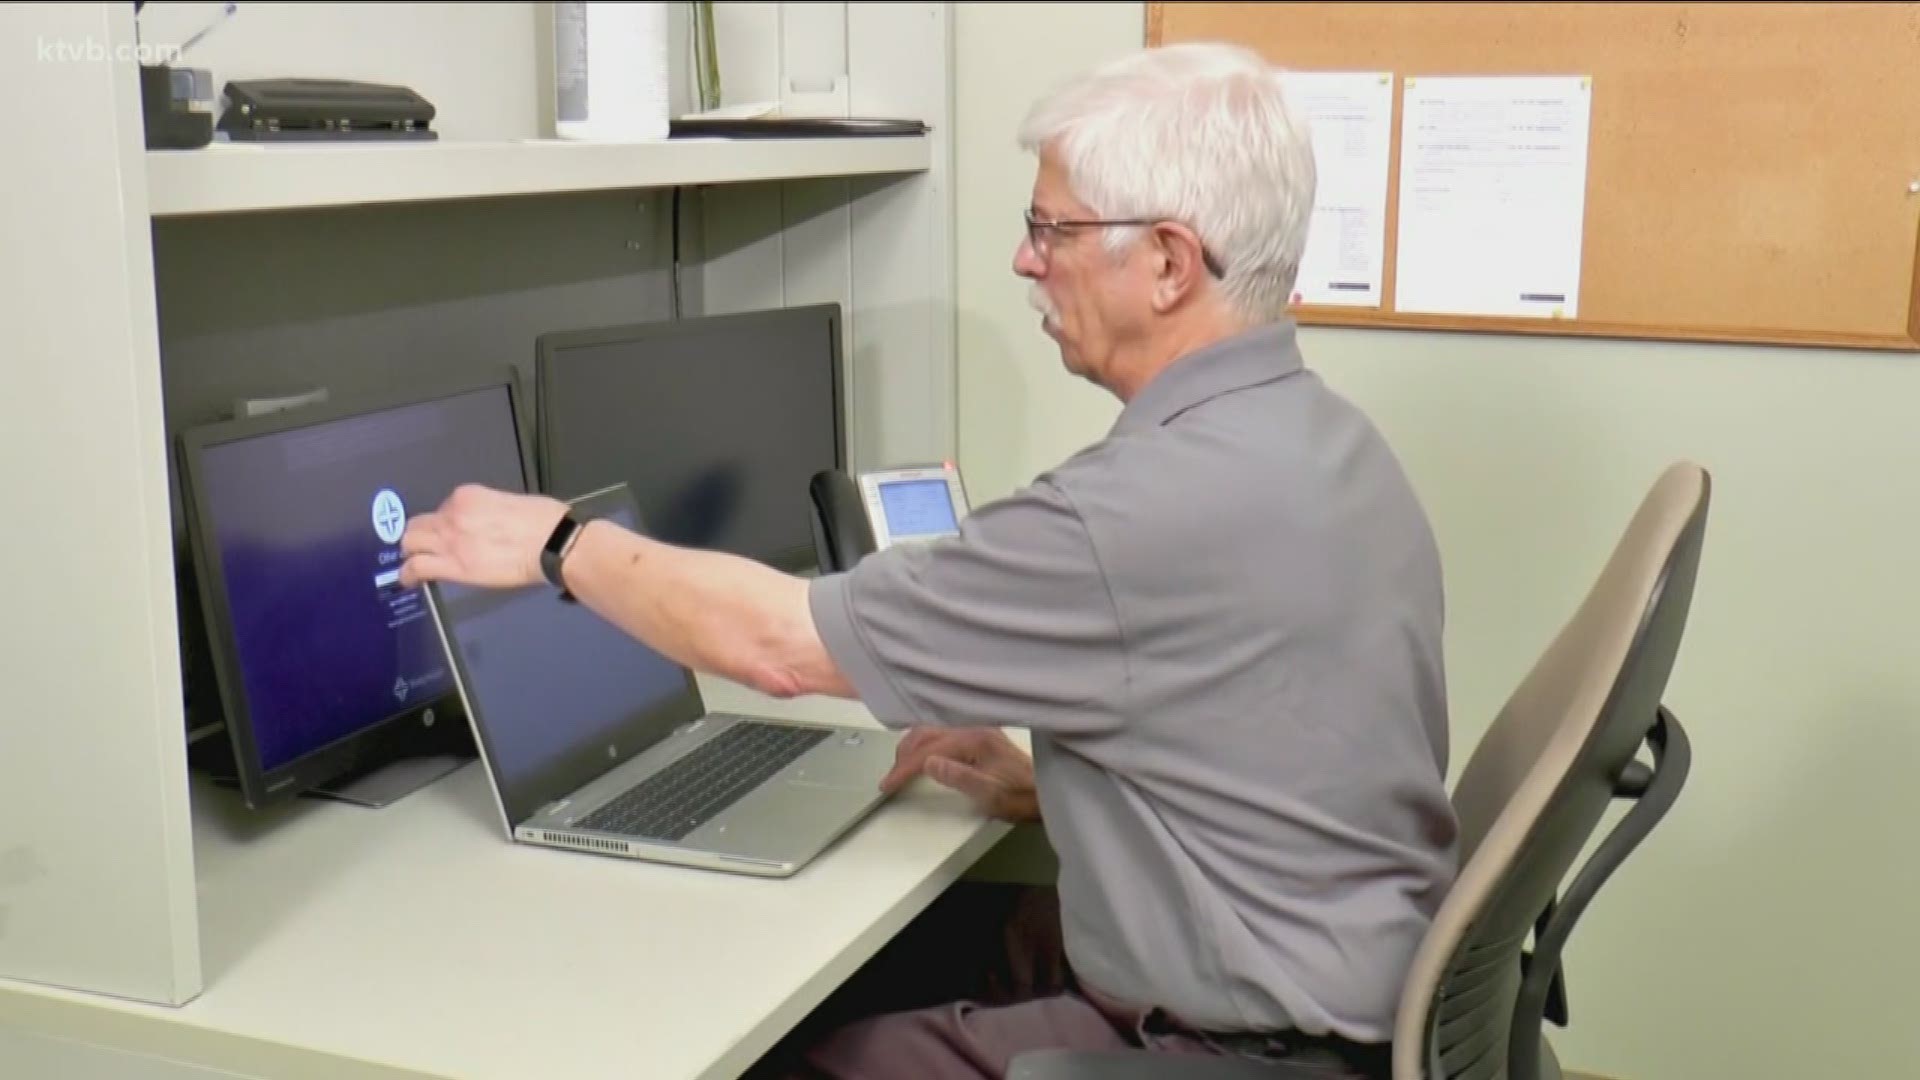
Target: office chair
point(1560, 751)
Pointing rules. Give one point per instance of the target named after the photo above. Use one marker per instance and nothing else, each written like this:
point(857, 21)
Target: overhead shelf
point(240, 178)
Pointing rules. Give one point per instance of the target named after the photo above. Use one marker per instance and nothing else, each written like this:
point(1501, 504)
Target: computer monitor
point(716, 424)
point(332, 679)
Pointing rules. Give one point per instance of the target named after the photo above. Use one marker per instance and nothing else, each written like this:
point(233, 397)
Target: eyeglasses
point(1040, 231)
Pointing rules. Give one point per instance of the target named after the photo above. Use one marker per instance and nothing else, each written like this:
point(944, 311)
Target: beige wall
point(1767, 929)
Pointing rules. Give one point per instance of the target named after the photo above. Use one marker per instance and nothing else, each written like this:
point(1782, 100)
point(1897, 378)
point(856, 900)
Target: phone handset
point(842, 535)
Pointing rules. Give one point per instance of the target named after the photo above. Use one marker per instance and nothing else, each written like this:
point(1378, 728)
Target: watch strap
point(559, 545)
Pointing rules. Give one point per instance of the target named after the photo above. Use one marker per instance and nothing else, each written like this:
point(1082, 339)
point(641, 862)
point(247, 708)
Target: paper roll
point(610, 70)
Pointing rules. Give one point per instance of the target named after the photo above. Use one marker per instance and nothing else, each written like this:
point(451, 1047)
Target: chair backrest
point(1537, 787)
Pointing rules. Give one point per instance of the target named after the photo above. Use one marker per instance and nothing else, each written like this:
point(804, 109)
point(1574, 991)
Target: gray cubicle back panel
point(352, 299)
point(264, 306)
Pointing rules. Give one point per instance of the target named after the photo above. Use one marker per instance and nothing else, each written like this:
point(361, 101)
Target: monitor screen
point(300, 519)
point(557, 693)
point(715, 424)
point(918, 508)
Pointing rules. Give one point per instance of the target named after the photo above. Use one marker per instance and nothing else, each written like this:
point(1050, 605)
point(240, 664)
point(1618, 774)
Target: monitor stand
point(385, 769)
point(380, 787)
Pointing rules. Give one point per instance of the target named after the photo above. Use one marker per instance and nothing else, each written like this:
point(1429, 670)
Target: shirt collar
point(1252, 357)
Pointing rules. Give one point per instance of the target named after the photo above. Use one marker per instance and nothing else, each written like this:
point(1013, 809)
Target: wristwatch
point(559, 543)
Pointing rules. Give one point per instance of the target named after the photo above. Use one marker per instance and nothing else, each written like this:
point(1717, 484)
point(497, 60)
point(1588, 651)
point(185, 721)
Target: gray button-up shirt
point(1222, 626)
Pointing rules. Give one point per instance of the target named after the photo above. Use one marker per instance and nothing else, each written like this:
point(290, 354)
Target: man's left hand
point(480, 537)
point(981, 763)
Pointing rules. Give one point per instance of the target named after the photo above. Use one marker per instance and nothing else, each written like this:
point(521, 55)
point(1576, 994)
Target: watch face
point(563, 531)
point(557, 543)
point(614, 504)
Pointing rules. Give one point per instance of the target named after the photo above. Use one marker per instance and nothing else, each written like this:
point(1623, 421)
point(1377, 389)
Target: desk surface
point(417, 941)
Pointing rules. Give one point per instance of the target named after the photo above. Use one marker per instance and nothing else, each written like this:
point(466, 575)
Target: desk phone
point(857, 516)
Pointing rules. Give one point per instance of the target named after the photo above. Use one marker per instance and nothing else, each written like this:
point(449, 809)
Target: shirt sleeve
point(1010, 623)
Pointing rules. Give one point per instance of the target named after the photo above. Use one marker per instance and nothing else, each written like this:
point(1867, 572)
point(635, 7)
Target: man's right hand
point(981, 763)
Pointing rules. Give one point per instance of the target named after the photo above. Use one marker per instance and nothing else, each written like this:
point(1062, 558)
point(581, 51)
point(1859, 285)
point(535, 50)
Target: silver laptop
point(597, 743)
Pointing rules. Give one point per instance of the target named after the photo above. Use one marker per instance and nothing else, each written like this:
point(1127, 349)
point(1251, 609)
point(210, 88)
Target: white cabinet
point(107, 252)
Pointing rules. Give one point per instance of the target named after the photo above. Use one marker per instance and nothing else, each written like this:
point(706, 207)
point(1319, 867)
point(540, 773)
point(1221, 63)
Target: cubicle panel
point(902, 348)
point(96, 852)
point(749, 37)
point(816, 267)
point(740, 259)
point(900, 342)
point(355, 299)
point(882, 247)
point(816, 257)
point(814, 66)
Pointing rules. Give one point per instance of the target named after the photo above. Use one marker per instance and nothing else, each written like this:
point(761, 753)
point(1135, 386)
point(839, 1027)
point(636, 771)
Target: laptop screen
point(557, 694)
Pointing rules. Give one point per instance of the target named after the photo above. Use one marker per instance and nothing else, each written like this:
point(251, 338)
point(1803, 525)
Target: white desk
point(417, 941)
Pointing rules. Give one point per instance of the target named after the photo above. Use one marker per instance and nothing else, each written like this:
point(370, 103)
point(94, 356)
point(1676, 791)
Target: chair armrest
point(1140, 1065)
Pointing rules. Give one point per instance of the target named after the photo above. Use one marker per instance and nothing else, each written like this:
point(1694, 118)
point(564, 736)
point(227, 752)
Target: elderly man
point(1221, 624)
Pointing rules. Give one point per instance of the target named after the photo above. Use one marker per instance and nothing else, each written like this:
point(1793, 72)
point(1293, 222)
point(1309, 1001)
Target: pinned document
point(1493, 181)
point(1352, 118)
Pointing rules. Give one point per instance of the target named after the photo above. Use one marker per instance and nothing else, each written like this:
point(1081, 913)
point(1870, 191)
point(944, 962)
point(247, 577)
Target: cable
point(674, 271)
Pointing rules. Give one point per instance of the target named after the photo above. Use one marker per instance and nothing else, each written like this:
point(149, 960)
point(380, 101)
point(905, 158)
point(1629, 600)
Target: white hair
point(1202, 134)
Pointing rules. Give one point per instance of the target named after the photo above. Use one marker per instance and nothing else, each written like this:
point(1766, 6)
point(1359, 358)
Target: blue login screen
point(306, 531)
point(917, 508)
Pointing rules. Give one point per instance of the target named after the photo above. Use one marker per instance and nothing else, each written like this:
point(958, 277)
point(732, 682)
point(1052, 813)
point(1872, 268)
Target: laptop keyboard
point(693, 790)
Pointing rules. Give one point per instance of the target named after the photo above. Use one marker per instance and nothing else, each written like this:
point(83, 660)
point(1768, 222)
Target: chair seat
point(1142, 1065)
point(1139, 1065)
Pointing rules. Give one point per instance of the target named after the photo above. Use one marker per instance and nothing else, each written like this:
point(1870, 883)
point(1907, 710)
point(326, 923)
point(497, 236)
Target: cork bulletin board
point(1752, 169)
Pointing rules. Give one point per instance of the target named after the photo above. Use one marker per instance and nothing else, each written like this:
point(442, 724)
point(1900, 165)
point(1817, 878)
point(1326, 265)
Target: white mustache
point(1038, 299)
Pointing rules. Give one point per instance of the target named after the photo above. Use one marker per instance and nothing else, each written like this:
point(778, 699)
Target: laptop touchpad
point(852, 762)
point(778, 820)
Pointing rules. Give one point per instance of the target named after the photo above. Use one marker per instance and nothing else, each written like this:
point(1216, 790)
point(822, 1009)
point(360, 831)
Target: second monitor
point(716, 424)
